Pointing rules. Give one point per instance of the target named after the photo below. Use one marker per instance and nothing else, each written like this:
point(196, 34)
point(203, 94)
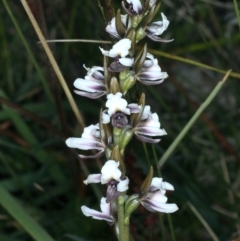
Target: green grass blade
point(205, 224)
point(24, 130)
point(22, 217)
point(192, 62)
point(237, 12)
point(24, 41)
point(185, 130)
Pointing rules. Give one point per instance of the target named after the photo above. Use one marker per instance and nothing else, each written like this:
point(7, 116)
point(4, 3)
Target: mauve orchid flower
point(92, 86)
point(155, 200)
point(149, 127)
point(90, 140)
point(112, 176)
point(104, 215)
point(151, 73)
point(157, 28)
point(117, 110)
point(119, 51)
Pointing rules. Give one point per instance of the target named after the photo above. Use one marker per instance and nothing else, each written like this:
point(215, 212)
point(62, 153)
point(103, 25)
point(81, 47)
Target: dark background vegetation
point(46, 177)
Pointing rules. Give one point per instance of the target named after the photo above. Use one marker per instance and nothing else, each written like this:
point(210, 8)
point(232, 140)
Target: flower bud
point(114, 86)
point(119, 24)
point(126, 136)
point(131, 204)
point(140, 34)
point(127, 80)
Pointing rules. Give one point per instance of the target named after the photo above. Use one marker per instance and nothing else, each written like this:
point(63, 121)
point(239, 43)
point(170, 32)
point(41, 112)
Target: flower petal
point(96, 214)
point(136, 5)
point(123, 185)
point(93, 178)
point(154, 206)
point(90, 86)
point(120, 49)
point(134, 108)
point(105, 207)
point(84, 144)
point(126, 61)
point(97, 155)
point(104, 52)
point(146, 139)
point(151, 131)
point(157, 39)
point(110, 171)
point(95, 95)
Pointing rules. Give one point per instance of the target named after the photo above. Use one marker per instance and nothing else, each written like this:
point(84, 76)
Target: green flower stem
point(121, 218)
point(127, 233)
point(171, 227)
point(185, 130)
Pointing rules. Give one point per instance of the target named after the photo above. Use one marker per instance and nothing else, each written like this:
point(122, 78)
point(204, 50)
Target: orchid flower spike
point(90, 140)
point(112, 176)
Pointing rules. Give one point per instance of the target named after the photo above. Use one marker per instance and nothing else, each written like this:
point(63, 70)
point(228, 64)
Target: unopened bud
point(132, 204)
point(114, 86)
point(140, 34)
point(126, 81)
point(126, 136)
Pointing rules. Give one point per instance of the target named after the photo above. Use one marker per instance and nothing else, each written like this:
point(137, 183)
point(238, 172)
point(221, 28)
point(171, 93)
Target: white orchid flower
point(119, 51)
point(109, 172)
point(149, 127)
point(111, 27)
point(93, 85)
point(90, 140)
point(118, 108)
point(151, 73)
point(157, 28)
point(155, 200)
point(105, 213)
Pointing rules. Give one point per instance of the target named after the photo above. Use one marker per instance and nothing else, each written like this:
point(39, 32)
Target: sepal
point(114, 85)
point(146, 184)
point(107, 74)
point(139, 60)
point(116, 155)
point(119, 25)
point(132, 36)
point(105, 131)
point(136, 118)
point(126, 136)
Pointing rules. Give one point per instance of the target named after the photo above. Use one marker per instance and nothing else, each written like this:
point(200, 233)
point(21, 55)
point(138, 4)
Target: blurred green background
point(44, 177)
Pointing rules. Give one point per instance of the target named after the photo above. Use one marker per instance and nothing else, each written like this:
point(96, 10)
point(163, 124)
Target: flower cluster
point(125, 63)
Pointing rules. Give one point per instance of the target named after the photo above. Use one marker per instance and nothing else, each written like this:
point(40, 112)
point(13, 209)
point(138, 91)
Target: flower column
point(125, 63)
